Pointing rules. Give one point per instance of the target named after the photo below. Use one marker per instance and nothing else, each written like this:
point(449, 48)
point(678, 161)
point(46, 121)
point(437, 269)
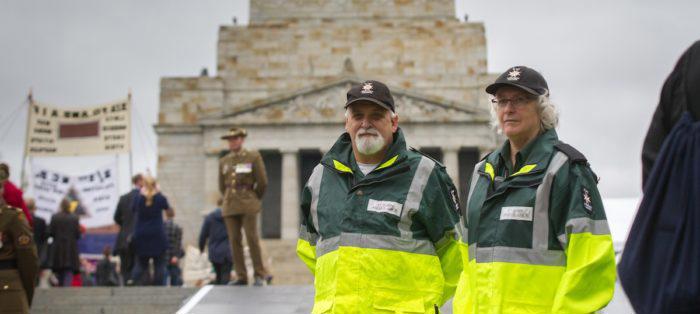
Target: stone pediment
point(323, 104)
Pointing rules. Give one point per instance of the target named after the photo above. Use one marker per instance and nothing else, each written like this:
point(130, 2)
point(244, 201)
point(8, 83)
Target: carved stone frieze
point(324, 105)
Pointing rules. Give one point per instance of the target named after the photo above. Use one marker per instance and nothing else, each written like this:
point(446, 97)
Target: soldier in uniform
point(19, 264)
point(242, 182)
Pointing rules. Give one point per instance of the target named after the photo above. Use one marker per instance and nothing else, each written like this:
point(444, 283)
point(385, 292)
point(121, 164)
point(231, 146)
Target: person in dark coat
point(149, 239)
point(214, 231)
point(123, 216)
point(680, 93)
point(41, 236)
point(65, 231)
point(106, 270)
point(174, 253)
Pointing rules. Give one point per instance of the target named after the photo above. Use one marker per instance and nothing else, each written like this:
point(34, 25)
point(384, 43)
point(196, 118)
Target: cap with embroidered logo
point(372, 91)
point(521, 77)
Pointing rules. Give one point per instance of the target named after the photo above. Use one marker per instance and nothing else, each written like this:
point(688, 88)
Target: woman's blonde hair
point(149, 189)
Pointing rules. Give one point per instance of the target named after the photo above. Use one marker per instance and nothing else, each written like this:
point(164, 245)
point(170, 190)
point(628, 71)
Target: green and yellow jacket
point(535, 238)
point(381, 243)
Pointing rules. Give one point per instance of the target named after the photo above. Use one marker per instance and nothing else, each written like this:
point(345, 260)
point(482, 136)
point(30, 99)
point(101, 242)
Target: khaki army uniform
point(242, 182)
point(19, 264)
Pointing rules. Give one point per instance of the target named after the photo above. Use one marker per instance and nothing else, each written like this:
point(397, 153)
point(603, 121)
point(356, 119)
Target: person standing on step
point(242, 182)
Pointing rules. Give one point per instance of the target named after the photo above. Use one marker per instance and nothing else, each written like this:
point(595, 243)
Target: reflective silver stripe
point(517, 255)
point(475, 177)
point(314, 185)
point(374, 241)
point(307, 236)
point(540, 222)
point(582, 225)
point(415, 195)
point(463, 220)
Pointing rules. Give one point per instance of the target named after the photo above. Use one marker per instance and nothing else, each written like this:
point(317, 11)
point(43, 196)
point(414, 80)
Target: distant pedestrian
point(124, 217)
point(13, 195)
point(149, 239)
point(106, 270)
point(214, 232)
point(174, 252)
point(65, 231)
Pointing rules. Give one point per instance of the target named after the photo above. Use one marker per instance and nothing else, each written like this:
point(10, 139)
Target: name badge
point(388, 207)
point(516, 213)
point(244, 168)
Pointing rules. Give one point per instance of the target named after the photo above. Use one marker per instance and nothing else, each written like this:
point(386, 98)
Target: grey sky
point(605, 62)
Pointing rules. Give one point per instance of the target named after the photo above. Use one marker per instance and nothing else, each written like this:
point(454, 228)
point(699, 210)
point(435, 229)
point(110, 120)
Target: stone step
point(280, 256)
point(126, 300)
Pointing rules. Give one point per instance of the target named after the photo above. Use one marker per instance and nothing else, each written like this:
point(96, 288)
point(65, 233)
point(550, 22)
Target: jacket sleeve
point(118, 219)
point(440, 216)
point(306, 244)
point(27, 259)
point(260, 176)
point(204, 234)
point(589, 279)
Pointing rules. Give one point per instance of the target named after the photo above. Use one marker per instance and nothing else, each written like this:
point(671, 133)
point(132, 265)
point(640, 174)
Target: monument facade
point(284, 77)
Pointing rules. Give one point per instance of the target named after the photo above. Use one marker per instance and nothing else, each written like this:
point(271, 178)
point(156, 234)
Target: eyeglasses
point(517, 102)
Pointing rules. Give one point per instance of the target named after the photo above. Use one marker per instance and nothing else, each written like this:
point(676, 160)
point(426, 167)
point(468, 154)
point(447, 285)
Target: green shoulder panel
point(575, 195)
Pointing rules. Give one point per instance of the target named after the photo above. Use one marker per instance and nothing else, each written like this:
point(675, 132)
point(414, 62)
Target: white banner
point(104, 129)
point(94, 195)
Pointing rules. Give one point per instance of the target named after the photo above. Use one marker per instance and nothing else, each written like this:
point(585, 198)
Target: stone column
point(451, 161)
point(290, 194)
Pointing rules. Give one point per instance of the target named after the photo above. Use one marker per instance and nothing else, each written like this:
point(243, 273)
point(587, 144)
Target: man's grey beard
point(369, 145)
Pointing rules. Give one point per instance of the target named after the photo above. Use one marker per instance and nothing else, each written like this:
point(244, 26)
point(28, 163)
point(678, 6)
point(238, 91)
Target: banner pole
point(22, 179)
point(131, 144)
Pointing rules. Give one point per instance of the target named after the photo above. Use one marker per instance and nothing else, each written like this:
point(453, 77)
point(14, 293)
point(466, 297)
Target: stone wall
point(184, 100)
point(181, 162)
point(271, 11)
point(433, 57)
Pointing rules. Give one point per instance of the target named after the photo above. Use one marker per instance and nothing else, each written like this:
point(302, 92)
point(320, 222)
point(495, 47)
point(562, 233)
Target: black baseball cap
point(372, 91)
point(521, 77)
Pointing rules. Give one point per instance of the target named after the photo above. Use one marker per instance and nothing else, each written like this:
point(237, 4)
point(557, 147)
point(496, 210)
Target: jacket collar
point(535, 156)
point(341, 158)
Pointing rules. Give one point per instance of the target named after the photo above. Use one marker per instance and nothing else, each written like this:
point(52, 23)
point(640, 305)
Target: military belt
point(8, 264)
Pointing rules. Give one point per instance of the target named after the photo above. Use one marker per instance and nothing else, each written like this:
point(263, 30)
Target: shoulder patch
point(574, 155)
point(455, 199)
point(24, 240)
point(424, 154)
point(586, 197)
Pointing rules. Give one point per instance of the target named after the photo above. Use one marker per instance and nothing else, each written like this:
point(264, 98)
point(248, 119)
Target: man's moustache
point(368, 131)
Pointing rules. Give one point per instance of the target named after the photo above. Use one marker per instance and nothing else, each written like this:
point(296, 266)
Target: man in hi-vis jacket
point(377, 219)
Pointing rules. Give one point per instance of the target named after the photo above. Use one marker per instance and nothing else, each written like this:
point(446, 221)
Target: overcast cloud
point(605, 62)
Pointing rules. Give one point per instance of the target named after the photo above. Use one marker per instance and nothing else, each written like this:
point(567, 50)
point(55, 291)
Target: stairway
point(288, 269)
point(104, 300)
